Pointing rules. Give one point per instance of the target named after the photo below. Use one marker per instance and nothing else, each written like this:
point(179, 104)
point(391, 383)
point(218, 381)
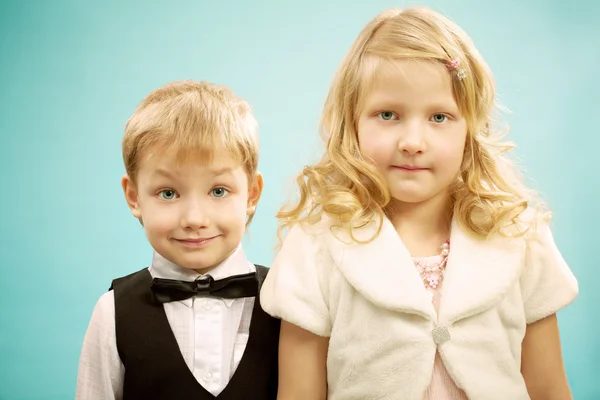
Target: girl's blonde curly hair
point(489, 195)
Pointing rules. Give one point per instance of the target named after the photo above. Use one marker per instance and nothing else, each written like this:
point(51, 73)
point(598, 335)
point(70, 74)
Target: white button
point(206, 377)
point(440, 334)
point(207, 305)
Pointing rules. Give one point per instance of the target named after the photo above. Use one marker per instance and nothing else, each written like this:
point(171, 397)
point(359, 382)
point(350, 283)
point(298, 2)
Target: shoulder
point(547, 282)
point(529, 228)
point(260, 268)
point(106, 302)
point(296, 287)
point(537, 233)
point(311, 231)
point(329, 231)
point(261, 272)
point(103, 317)
point(304, 240)
point(131, 279)
point(530, 224)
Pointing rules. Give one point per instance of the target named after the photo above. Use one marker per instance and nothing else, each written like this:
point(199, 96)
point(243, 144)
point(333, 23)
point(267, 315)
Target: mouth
point(196, 242)
point(409, 168)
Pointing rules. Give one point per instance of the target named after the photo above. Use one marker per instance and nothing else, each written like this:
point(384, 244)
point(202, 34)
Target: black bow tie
point(233, 287)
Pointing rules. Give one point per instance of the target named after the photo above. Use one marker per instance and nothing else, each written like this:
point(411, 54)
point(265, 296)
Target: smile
point(199, 242)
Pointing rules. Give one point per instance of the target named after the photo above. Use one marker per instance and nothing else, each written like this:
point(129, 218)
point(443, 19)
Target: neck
point(424, 226)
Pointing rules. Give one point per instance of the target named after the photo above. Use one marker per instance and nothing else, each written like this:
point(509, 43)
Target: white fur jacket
point(383, 329)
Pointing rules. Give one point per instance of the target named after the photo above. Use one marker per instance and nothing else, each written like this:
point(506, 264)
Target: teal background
point(73, 71)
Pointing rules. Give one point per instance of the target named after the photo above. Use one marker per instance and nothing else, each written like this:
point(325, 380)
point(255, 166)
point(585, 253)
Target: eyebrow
point(216, 171)
point(163, 172)
point(221, 171)
point(391, 103)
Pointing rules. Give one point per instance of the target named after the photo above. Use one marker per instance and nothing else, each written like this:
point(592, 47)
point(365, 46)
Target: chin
point(414, 197)
point(411, 198)
point(205, 264)
point(194, 262)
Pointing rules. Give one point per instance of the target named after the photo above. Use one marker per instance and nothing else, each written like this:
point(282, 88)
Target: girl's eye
point(167, 194)
point(219, 192)
point(439, 118)
point(387, 115)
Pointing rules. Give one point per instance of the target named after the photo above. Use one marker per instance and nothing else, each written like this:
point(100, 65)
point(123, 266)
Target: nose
point(195, 215)
point(412, 138)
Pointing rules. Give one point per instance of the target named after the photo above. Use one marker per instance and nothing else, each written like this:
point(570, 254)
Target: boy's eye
point(219, 192)
point(167, 194)
point(387, 115)
point(439, 118)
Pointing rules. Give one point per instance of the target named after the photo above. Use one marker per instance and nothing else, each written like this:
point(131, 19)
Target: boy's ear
point(254, 191)
point(131, 196)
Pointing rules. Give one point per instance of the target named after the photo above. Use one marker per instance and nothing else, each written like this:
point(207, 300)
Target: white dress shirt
point(211, 333)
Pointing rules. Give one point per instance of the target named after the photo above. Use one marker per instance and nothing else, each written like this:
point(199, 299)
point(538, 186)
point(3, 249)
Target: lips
point(195, 242)
point(410, 168)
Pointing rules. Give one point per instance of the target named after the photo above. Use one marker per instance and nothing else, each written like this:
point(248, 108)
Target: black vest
point(154, 366)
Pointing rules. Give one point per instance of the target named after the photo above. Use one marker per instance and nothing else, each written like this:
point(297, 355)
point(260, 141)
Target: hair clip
point(454, 65)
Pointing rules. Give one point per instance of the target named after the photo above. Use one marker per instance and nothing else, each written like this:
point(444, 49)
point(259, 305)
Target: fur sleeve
point(548, 284)
point(295, 289)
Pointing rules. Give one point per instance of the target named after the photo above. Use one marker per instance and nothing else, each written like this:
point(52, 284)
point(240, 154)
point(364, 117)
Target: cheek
point(233, 214)
point(451, 156)
point(158, 219)
point(374, 145)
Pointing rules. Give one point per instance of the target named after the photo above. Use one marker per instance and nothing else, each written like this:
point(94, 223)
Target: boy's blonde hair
point(488, 195)
point(194, 119)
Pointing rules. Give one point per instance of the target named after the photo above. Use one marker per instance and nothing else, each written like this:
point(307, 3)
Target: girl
point(416, 265)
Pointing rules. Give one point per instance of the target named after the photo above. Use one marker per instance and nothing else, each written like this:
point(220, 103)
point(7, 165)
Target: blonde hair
point(194, 119)
point(488, 196)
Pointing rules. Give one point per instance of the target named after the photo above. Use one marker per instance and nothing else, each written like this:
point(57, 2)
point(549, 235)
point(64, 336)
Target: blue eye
point(167, 194)
point(439, 118)
point(219, 192)
point(386, 115)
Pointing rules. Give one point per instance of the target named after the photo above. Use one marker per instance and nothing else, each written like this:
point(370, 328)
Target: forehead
point(216, 162)
point(406, 81)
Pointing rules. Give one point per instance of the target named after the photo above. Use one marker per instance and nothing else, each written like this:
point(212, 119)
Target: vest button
point(440, 335)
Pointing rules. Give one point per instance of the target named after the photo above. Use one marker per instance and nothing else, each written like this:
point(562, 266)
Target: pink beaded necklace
point(432, 273)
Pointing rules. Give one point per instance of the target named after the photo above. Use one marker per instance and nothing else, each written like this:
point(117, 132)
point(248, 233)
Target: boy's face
point(194, 213)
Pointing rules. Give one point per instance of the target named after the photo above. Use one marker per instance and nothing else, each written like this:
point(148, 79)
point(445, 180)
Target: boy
point(190, 325)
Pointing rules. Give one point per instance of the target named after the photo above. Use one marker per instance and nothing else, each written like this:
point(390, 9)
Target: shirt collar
point(235, 264)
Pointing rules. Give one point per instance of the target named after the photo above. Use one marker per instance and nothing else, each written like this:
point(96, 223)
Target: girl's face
point(411, 128)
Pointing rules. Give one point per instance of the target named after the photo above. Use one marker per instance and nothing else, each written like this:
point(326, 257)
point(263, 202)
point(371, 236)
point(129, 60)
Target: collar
point(478, 271)
point(235, 264)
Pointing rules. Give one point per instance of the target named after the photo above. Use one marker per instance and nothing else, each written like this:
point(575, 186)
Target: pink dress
point(441, 387)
